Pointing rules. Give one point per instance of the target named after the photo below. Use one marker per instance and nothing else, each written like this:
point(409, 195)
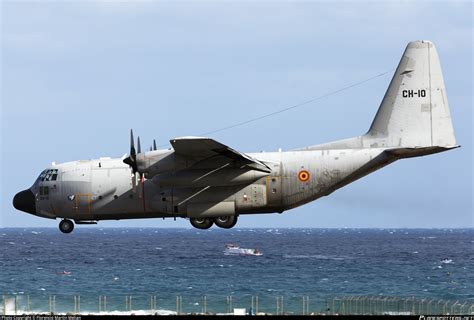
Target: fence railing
point(368, 305)
point(217, 304)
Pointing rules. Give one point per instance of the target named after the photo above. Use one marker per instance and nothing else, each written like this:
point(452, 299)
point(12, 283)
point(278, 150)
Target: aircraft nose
point(25, 201)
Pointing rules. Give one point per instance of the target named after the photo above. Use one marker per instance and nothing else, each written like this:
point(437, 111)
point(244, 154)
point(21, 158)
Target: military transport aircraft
point(210, 183)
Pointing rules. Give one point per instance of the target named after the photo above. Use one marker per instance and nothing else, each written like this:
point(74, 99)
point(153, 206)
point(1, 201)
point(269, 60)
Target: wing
point(202, 148)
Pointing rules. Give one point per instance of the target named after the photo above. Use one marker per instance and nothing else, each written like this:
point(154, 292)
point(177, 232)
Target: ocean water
point(166, 263)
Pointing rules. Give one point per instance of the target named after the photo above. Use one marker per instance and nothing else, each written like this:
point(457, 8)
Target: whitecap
point(138, 269)
point(39, 268)
point(42, 289)
point(11, 242)
point(158, 248)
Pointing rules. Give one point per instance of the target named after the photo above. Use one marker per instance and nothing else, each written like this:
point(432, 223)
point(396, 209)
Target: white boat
point(235, 250)
point(446, 260)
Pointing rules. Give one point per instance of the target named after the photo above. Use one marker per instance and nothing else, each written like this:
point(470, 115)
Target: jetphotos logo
point(445, 318)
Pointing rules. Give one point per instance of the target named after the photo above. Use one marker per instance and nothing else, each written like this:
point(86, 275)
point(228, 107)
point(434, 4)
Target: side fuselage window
point(44, 191)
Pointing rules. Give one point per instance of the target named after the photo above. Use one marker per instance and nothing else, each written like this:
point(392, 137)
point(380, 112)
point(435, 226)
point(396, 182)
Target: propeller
point(131, 160)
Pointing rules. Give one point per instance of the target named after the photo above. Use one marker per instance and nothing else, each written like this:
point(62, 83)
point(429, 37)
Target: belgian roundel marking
point(303, 176)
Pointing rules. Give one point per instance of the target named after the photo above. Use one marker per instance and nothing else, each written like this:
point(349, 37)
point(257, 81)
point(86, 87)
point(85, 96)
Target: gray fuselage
point(104, 189)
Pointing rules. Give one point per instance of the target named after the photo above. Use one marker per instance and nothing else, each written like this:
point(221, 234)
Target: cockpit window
point(48, 175)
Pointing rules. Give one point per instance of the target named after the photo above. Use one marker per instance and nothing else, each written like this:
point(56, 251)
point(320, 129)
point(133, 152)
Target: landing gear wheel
point(226, 222)
point(201, 223)
point(66, 226)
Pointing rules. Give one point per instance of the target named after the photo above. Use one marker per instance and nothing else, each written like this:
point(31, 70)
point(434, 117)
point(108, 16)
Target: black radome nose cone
point(25, 201)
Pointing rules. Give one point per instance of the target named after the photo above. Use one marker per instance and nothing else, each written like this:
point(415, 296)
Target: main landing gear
point(225, 222)
point(66, 226)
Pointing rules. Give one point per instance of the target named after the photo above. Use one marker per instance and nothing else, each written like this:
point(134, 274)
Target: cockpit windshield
point(48, 175)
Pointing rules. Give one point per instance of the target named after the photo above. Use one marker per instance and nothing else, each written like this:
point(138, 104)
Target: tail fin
point(414, 111)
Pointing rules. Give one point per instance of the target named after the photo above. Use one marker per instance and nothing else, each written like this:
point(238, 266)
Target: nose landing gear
point(66, 226)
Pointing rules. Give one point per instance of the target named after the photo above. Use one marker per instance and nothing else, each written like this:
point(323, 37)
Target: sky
point(76, 76)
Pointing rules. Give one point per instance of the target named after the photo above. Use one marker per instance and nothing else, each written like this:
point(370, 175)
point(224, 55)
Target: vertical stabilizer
point(414, 111)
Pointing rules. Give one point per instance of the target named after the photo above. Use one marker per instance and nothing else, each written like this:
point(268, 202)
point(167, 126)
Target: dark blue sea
point(166, 263)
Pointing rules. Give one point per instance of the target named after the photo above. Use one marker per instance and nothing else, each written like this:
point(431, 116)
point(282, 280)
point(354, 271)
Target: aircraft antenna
point(299, 104)
point(328, 94)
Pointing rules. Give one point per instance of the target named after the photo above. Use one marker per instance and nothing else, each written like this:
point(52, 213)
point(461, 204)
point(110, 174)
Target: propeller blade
point(154, 145)
point(139, 147)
